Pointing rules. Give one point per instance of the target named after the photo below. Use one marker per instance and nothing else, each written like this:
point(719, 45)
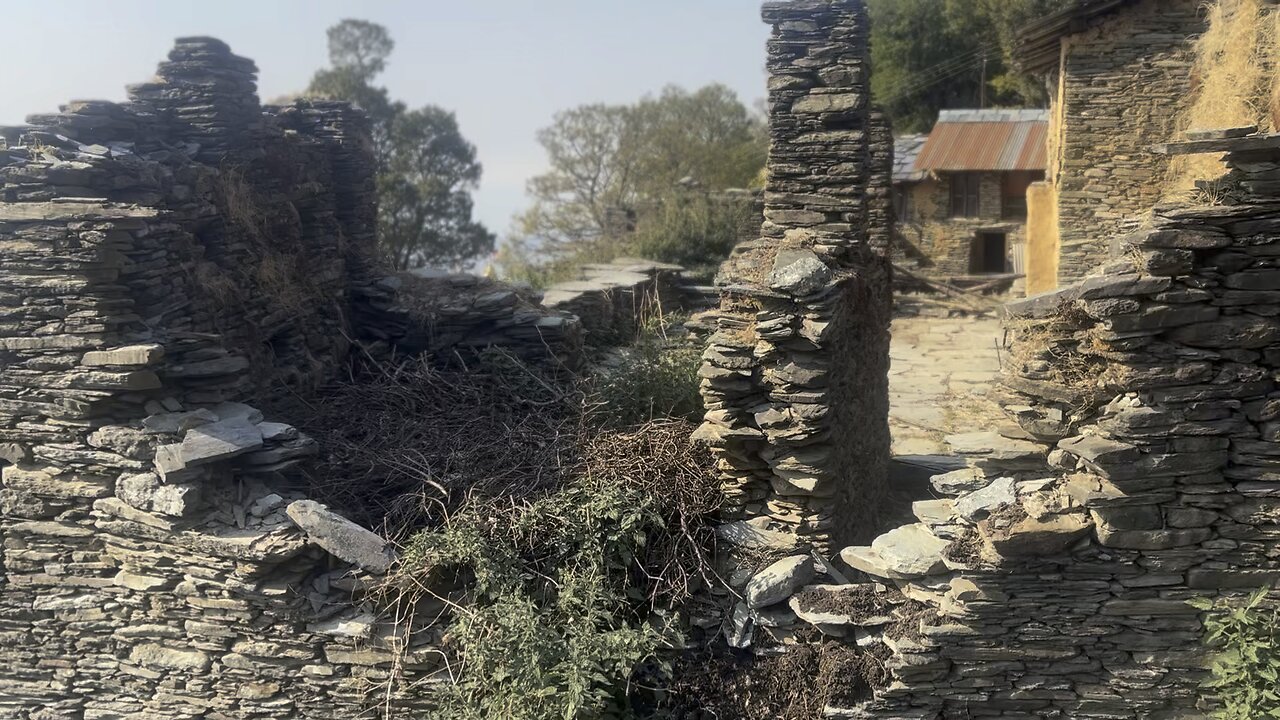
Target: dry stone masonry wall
point(1050, 576)
point(800, 351)
point(1139, 471)
point(1124, 86)
point(163, 261)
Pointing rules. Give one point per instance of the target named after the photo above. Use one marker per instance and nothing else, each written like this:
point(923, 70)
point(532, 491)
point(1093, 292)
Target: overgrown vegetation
point(1245, 671)
point(655, 377)
point(573, 592)
point(572, 514)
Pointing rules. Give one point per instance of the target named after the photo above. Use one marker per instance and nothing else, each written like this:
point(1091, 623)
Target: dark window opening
point(989, 254)
point(1013, 193)
point(902, 203)
point(966, 194)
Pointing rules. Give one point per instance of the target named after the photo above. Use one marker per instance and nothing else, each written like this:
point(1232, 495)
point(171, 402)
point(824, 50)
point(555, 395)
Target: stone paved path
point(938, 382)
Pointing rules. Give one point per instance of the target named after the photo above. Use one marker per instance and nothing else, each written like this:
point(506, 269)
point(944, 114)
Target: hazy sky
point(505, 66)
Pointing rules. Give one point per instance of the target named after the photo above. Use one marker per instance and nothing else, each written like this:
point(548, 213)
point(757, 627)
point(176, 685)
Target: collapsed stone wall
point(795, 375)
point(164, 261)
point(614, 300)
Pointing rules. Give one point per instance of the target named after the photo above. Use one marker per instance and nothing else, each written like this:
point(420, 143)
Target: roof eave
point(1037, 47)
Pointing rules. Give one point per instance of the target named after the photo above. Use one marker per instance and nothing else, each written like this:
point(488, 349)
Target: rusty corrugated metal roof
point(986, 140)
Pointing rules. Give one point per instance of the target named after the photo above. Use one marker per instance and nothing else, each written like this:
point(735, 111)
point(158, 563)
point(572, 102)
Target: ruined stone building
point(164, 262)
point(1119, 76)
point(960, 196)
point(167, 262)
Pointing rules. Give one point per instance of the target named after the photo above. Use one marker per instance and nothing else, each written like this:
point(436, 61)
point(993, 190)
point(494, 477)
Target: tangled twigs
point(404, 445)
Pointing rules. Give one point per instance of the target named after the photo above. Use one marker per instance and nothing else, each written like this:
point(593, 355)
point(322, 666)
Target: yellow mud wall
point(1042, 238)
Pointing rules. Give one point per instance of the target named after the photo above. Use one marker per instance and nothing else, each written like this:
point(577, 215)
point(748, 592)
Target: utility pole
point(982, 102)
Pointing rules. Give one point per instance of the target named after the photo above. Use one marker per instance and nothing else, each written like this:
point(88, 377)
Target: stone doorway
point(989, 253)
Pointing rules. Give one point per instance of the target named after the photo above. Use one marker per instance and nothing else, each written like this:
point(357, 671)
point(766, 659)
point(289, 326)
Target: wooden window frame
point(965, 195)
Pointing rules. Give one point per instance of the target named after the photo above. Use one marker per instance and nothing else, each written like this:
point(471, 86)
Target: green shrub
point(551, 632)
point(656, 377)
point(572, 594)
point(1246, 664)
point(693, 230)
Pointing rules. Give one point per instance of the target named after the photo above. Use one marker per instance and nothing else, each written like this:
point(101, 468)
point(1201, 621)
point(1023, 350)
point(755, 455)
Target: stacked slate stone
point(613, 300)
point(800, 353)
point(156, 560)
point(444, 314)
point(1139, 472)
point(207, 96)
point(346, 133)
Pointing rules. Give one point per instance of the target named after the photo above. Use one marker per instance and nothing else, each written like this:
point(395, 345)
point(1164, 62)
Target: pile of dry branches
point(404, 445)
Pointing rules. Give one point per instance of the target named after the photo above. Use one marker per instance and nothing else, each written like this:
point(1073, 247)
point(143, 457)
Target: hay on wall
point(1236, 83)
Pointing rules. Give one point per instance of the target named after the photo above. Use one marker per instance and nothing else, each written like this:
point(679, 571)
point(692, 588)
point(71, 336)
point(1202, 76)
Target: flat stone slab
point(222, 440)
point(995, 446)
point(778, 581)
point(905, 553)
point(341, 537)
point(980, 503)
point(132, 355)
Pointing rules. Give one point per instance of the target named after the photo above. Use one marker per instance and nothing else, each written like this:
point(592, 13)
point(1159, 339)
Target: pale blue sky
point(505, 66)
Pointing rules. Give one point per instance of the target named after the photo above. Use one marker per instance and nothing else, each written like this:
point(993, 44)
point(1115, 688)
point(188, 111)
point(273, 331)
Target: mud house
point(961, 191)
point(1120, 75)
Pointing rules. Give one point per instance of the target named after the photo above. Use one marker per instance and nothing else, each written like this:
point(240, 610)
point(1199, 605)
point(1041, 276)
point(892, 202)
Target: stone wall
point(448, 315)
point(795, 374)
point(1123, 87)
point(614, 300)
point(1138, 471)
point(163, 261)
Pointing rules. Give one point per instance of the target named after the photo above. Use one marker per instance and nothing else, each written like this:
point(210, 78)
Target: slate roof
point(905, 150)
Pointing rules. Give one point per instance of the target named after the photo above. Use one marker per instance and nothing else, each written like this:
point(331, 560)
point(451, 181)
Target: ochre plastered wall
point(1042, 238)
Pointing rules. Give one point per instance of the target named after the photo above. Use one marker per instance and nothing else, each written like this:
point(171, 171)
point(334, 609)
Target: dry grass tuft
point(1236, 83)
point(238, 201)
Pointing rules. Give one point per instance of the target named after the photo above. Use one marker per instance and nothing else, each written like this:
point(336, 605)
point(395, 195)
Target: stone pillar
point(795, 378)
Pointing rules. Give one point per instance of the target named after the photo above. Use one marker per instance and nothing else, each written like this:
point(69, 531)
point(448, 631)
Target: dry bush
point(659, 459)
point(796, 685)
point(284, 279)
point(406, 444)
point(237, 200)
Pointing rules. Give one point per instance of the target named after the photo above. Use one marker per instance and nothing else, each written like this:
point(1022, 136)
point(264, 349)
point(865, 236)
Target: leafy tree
point(612, 163)
point(929, 55)
point(426, 169)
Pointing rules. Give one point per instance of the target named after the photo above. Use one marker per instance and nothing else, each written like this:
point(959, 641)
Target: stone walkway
point(941, 372)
